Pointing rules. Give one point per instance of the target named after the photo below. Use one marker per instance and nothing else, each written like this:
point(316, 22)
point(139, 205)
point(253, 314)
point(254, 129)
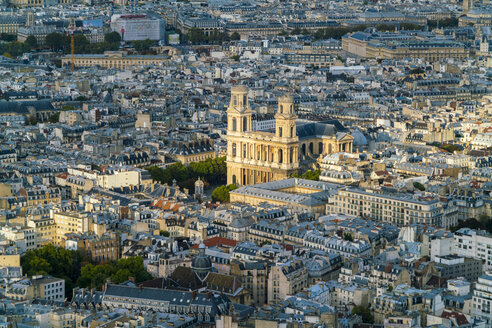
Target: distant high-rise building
point(138, 27)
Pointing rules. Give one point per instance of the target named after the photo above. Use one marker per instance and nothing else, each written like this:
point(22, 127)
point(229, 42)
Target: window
point(280, 132)
point(234, 150)
point(234, 124)
point(245, 123)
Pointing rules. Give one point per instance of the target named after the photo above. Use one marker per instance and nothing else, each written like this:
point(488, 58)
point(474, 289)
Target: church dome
point(201, 264)
point(359, 138)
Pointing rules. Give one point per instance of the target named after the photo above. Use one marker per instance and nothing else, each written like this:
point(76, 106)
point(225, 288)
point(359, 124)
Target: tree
point(31, 42)
point(390, 288)
point(212, 171)
point(235, 57)
point(347, 236)
point(143, 45)
point(164, 233)
point(235, 36)
point(8, 37)
point(450, 148)
point(55, 118)
point(468, 223)
point(309, 175)
point(81, 44)
point(296, 31)
point(364, 312)
point(419, 186)
point(67, 108)
point(112, 37)
point(196, 36)
point(55, 261)
point(57, 41)
point(222, 193)
point(417, 70)
point(94, 276)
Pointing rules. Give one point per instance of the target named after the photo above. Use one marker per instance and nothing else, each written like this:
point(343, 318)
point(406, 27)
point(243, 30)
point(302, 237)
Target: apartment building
point(385, 275)
point(37, 287)
point(69, 223)
point(286, 279)
point(346, 295)
point(99, 248)
point(396, 209)
point(474, 244)
point(482, 299)
point(44, 230)
point(23, 238)
point(254, 276)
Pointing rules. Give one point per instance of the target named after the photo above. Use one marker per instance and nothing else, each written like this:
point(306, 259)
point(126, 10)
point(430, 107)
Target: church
point(294, 146)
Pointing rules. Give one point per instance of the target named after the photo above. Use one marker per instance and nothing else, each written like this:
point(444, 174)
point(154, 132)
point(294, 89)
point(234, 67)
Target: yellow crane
point(71, 32)
point(72, 51)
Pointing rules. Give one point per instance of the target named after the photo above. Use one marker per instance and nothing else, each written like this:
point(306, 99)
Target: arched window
point(291, 131)
point(245, 151)
point(245, 124)
point(320, 147)
point(291, 155)
point(245, 100)
point(280, 156)
point(330, 149)
point(280, 132)
point(235, 100)
point(281, 109)
point(311, 147)
point(234, 150)
point(303, 149)
point(234, 124)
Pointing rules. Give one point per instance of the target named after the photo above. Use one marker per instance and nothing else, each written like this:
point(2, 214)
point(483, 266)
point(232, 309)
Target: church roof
point(319, 129)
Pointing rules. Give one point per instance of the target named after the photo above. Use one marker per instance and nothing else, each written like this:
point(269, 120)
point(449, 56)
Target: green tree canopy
point(112, 37)
point(94, 276)
point(164, 233)
point(309, 175)
point(57, 41)
point(54, 261)
point(222, 193)
point(143, 45)
point(419, 186)
point(31, 42)
point(364, 312)
point(196, 36)
point(212, 171)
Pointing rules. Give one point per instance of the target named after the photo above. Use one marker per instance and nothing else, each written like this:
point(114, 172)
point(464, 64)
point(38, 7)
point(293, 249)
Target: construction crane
point(71, 29)
point(72, 51)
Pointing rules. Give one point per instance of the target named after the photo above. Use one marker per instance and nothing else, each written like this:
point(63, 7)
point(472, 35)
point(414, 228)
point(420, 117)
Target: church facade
point(293, 146)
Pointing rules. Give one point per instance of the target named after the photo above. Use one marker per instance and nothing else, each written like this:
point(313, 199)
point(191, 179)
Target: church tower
point(285, 119)
point(286, 133)
point(239, 114)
